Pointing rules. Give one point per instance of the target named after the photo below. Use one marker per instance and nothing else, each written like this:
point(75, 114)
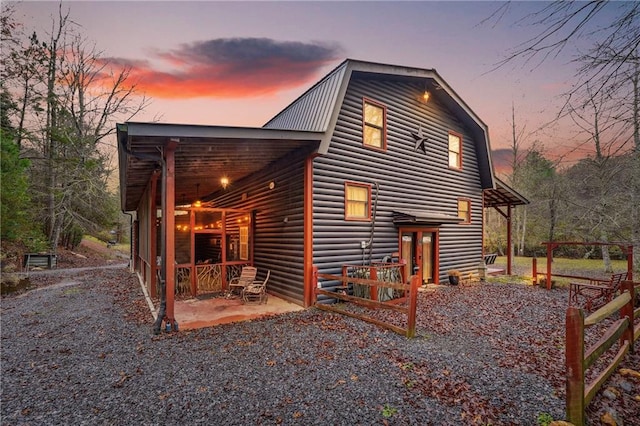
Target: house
point(374, 160)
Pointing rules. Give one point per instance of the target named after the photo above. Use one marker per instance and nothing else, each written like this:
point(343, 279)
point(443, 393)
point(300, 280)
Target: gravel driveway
point(83, 353)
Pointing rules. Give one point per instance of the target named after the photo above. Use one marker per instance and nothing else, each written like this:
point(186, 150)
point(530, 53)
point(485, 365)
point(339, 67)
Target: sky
point(240, 63)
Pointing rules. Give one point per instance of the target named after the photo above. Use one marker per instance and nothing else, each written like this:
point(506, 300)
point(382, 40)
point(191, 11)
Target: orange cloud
point(230, 68)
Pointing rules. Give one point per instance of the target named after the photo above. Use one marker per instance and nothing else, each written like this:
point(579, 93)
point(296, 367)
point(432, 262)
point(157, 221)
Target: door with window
point(419, 248)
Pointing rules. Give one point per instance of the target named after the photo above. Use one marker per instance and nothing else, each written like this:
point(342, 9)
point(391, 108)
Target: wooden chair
point(256, 292)
point(596, 292)
point(247, 277)
point(490, 259)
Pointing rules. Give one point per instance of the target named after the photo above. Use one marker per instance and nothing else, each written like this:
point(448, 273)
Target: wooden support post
point(509, 239)
point(373, 275)
point(534, 270)
point(574, 355)
point(169, 188)
point(413, 302)
point(549, 259)
point(314, 281)
point(630, 263)
point(627, 311)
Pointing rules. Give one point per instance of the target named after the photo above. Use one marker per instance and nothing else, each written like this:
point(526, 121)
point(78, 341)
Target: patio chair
point(256, 292)
point(247, 277)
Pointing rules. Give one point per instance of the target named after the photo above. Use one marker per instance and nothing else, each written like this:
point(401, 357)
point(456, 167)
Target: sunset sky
point(239, 63)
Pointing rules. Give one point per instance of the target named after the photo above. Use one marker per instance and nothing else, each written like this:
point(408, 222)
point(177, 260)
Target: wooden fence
point(579, 393)
point(410, 310)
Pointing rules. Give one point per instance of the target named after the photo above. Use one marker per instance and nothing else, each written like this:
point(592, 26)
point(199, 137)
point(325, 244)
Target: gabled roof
point(317, 109)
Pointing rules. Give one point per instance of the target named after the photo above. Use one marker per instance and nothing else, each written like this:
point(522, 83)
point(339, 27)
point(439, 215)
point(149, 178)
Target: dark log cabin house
point(374, 161)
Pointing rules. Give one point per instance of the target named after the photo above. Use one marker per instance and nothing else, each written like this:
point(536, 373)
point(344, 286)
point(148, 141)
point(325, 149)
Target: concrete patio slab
point(199, 313)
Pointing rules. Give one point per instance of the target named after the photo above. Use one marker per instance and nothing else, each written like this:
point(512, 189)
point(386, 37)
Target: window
point(374, 125)
point(455, 151)
point(357, 201)
point(464, 210)
point(244, 243)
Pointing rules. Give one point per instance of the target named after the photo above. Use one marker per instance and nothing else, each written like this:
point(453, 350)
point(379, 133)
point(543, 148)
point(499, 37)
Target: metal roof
point(204, 154)
point(503, 195)
point(317, 109)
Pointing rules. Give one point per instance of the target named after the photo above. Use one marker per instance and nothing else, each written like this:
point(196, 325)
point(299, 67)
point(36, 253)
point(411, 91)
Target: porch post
point(170, 226)
point(509, 240)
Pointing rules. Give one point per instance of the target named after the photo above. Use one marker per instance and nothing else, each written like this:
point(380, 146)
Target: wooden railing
point(580, 394)
point(410, 310)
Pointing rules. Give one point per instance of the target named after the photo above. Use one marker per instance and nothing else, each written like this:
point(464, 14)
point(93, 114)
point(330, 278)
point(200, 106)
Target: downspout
point(369, 243)
point(162, 310)
point(130, 239)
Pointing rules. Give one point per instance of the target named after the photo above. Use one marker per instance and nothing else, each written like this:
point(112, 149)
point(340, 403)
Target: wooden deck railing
point(579, 393)
point(410, 310)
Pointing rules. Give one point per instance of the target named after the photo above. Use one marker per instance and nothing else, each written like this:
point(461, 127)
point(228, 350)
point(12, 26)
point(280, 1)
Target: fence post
point(413, 303)
point(314, 281)
point(373, 290)
point(534, 270)
point(549, 259)
point(627, 311)
point(574, 355)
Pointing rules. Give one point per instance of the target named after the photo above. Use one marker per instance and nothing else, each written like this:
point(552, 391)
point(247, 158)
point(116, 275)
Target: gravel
point(84, 353)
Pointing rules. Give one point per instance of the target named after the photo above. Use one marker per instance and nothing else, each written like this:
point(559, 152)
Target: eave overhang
point(423, 218)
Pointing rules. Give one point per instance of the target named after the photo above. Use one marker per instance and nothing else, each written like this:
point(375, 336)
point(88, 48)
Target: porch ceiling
point(203, 156)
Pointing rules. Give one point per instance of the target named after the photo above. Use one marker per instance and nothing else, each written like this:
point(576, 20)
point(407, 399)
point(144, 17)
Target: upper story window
point(464, 210)
point(455, 151)
point(374, 124)
point(357, 201)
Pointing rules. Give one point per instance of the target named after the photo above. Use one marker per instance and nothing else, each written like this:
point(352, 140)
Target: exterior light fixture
point(425, 96)
point(224, 181)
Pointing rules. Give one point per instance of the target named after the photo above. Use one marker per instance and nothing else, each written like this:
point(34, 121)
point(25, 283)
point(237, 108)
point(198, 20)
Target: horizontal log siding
point(408, 180)
point(278, 245)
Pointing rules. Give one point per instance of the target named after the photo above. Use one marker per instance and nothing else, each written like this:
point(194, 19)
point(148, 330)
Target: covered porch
point(504, 199)
point(209, 200)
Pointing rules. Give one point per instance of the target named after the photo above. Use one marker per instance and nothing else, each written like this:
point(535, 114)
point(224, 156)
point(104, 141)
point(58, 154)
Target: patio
point(206, 312)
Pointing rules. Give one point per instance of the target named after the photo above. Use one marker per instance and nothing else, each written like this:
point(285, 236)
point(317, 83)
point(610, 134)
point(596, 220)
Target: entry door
point(417, 248)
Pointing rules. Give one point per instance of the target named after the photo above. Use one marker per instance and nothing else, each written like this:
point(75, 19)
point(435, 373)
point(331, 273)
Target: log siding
point(401, 179)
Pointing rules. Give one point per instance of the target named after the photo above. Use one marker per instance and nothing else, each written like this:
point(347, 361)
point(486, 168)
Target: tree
point(67, 99)
point(608, 68)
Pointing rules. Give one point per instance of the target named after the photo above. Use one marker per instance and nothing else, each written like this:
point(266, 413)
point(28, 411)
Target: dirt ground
point(90, 253)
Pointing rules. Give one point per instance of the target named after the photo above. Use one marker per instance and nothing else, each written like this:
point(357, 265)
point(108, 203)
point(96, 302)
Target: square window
point(374, 125)
point(455, 151)
point(464, 210)
point(357, 201)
